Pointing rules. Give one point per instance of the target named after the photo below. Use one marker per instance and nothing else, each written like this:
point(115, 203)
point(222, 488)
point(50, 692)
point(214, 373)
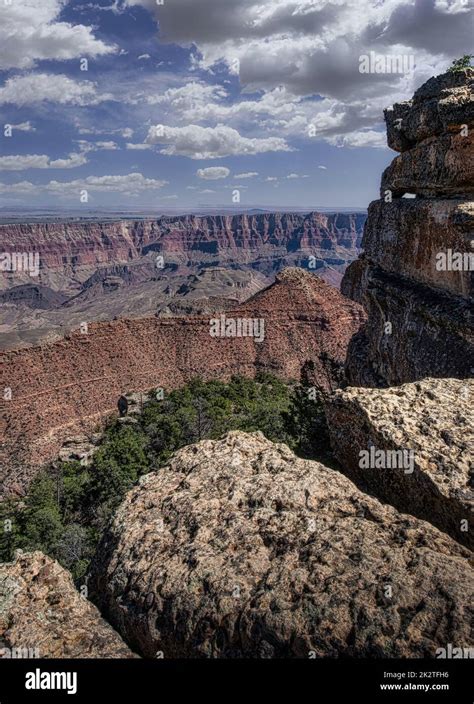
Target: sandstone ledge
point(434, 420)
point(40, 609)
point(436, 167)
point(239, 548)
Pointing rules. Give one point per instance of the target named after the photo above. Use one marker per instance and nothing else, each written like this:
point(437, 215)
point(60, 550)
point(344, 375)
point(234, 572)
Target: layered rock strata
point(61, 389)
point(71, 253)
point(239, 548)
point(411, 446)
point(43, 616)
point(415, 277)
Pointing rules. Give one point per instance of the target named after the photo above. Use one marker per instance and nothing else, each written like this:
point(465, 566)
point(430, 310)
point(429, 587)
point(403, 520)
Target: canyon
point(100, 270)
point(238, 548)
point(71, 385)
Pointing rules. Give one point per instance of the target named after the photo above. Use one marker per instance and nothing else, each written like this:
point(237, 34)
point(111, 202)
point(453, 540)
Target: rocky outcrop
point(415, 277)
point(239, 548)
point(43, 616)
point(70, 253)
point(64, 389)
point(430, 427)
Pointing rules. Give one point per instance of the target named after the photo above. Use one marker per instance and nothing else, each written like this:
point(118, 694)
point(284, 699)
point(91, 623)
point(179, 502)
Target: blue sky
point(203, 102)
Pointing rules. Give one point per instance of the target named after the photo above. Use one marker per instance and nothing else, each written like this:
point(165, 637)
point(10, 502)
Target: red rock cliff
point(60, 388)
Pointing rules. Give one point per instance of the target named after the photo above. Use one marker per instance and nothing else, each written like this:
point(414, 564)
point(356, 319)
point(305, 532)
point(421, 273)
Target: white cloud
point(30, 32)
point(129, 184)
point(322, 167)
point(144, 57)
point(363, 138)
point(271, 178)
point(106, 146)
point(198, 142)
point(24, 127)
point(137, 147)
point(295, 51)
point(41, 87)
point(213, 173)
point(40, 161)
point(206, 191)
point(248, 174)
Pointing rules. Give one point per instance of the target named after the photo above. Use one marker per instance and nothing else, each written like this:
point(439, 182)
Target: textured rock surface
point(412, 332)
point(404, 237)
point(41, 610)
point(434, 419)
point(418, 301)
point(438, 166)
point(65, 388)
point(442, 104)
point(240, 548)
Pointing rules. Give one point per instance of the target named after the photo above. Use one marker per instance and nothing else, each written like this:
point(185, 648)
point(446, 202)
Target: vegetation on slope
point(69, 505)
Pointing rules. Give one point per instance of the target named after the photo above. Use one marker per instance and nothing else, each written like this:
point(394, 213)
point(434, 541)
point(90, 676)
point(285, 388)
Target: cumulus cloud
point(296, 51)
point(129, 184)
point(37, 88)
point(138, 146)
point(40, 161)
point(362, 138)
point(213, 173)
point(24, 127)
point(196, 142)
point(30, 32)
point(248, 174)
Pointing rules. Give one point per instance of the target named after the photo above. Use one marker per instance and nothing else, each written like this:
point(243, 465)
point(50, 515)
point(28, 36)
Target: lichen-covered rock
point(439, 166)
point(239, 548)
point(442, 104)
point(42, 615)
point(433, 420)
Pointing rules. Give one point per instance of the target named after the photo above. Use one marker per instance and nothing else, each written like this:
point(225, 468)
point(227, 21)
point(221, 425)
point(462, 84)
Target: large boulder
point(42, 615)
point(239, 548)
point(430, 424)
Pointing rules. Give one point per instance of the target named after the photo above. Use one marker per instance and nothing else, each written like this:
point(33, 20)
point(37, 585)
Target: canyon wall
point(71, 252)
point(415, 276)
point(61, 388)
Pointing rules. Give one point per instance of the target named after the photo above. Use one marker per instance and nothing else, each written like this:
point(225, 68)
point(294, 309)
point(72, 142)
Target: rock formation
point(239, 548)
point(43, 616)
point(70, 253)
point(60, 389)
point(433, 421)
point(417, 296)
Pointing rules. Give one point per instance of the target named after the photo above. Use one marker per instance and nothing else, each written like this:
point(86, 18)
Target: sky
point(192, 103)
